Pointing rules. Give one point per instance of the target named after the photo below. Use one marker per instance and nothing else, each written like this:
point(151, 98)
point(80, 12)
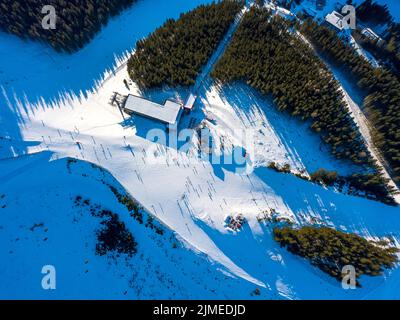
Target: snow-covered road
point(365, 129)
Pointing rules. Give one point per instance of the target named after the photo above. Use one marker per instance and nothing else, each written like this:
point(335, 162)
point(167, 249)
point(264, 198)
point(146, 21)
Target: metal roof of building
point(370, 33)
point(336, 19)
point(167, 113)
point(190, 101)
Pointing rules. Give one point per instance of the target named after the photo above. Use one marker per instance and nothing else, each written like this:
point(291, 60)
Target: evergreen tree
point(175, 53)
point(331, 250)
point(76, 24)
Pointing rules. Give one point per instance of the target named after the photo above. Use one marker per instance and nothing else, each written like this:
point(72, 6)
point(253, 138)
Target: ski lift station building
point(169, 113)
point(335, 19)
point(189, 104)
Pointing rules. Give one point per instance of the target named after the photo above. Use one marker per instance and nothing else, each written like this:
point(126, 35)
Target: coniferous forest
point(382, 101)
point(174, 54)
point(76, 24)
point(265, 55)
point(374, 13)
point(331, 250)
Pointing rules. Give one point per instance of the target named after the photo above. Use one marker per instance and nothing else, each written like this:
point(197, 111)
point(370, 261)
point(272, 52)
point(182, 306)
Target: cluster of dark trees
point(174, 54)
point(382, 101)
point(325, 177)
point(77, 21)
point(374, 185)
point(374, 13)
point(283, 169)
point(393, 38)
point(265, 55)
point(371, 185)
point(331, 250)
point(114, 237)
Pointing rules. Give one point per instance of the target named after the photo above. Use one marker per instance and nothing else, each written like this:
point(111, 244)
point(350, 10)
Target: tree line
point(369, 185)
point(382, 102)
point(77, 21)
point(374, 13)
point(175, 53)
point(265, 55)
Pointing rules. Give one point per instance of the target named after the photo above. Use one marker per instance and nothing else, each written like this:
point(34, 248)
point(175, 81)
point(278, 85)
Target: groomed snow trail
point(221, 48)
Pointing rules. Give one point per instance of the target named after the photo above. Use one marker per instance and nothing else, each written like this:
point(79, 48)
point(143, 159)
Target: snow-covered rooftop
point(190, 101)
point(167, 113)
point(335, 19)
point(370, 33)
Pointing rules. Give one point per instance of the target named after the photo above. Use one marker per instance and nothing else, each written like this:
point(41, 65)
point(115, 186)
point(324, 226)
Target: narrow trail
point(365, 129)
point(221, 48)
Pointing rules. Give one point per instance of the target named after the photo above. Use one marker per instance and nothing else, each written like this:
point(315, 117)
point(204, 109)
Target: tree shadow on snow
point(294, 135)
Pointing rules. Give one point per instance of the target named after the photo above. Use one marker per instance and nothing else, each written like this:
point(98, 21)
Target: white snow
point(189, 195)
point(45, 227)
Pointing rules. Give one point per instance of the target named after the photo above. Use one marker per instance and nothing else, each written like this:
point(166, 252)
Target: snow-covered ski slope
point(189, 195)
point(48, 227)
